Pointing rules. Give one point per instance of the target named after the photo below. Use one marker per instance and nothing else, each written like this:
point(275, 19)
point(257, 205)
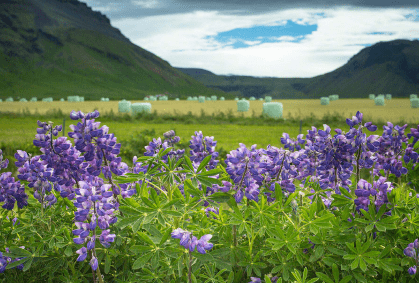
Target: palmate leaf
point(141, 261)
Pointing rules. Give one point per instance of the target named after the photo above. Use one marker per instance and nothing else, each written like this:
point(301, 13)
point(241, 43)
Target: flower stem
point(190, 268)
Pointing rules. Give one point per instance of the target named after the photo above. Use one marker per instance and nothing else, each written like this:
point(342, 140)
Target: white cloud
point(149, 4)
point(185, 40)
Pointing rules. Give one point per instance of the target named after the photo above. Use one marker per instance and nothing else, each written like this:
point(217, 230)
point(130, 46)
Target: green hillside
point(55, 57)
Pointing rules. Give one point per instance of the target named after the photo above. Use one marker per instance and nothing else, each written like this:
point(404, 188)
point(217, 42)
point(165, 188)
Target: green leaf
point(141, 261)
point(220, 197)
point(18, 252)
point(362, 264)
point(68, 251)
point(355, 263)
point(290, 198)
point(346, 279)
point(278, 194)
point(138, 249)
point(107, 263)
point(211, 172)
point(335, 271)
point(324, 277)
point(189, 163)
point(166, 236)
point(203, 163)
point(145, 238)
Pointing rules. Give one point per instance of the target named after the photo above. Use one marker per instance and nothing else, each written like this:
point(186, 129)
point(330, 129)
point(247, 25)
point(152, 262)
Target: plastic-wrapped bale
point(413, 96)
point(47, 99)
point(236, 99)
point(201, 99)
point(189, 98)
point(414, 103)
point(73, 98)
point(222, 98)
point(140, 107)
point(252, 98)
point(208, 98)
point(261, 99)
point(272, 110)
point(107, 99)
point(62, 99)
point(243, 106)
point(324, 100)
point(268, 98)
point(124, 106)
point(176, 99)
point(388, 96)
point(9, 99)
point(371, 96)
point(81, 98)
point(152, 98)
point(163, 98)
point(23, 100)
point(379, 101)
point(33, 99)
point(380, 95)
point(1, 100)
point(195, 98)
point(213, 97)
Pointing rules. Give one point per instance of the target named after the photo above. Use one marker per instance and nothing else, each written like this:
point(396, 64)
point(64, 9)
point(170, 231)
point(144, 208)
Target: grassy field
point(23, 130)
point(395, 110)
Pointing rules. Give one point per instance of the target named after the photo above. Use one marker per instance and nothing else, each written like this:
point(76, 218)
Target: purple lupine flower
point(12, 192)
point(203, 244)
point(3, 163)
point(255, 280)
point(82, 254)
point(412, 270)
point(189, 242)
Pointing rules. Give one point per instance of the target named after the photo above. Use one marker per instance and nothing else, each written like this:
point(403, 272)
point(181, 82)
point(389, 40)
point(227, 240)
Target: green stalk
point(190, 268)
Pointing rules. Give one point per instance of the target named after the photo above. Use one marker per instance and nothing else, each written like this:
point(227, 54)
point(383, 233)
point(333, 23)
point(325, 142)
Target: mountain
point(384, 68)
point(57, 48)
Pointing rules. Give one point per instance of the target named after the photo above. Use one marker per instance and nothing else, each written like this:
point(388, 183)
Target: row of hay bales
point(154, 98)
point(325, 100)
point(105, 99)
point(75, 98)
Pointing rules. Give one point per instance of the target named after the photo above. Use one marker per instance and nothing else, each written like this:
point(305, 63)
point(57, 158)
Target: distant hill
point(383, 68)
point(58, 48)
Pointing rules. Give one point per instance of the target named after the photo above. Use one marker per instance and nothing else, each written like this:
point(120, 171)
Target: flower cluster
point(378, 191)
point(412, 251)
point(189, 242)
point(11, 191)
point(96, 205)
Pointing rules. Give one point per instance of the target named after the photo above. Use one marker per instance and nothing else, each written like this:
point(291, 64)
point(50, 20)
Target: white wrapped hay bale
point(243, 106)
point(333, 97)
point(152, 98)
point(236, 99)
point(189, 98)
point(268, 98)
point(388, 96)
point(62, 99)
point(33, 99)
point(177, 99)
point(379, 101)
point(47, 99)
point(81, 98)
point(207, 98)
point(371, 96)
point(222, 98)
point(261, 99)
point(201, 99)
point(73, 98)
point(195, 98)
point(140, 108)
point(163, 98)
point(213, 97)
point(252, 98)
point(1, 100)
point(413, 96)
point(272, 110)
point(414, 103)
point(324, 100)
point(23, 100)
point(124, 106)
point(9, 99)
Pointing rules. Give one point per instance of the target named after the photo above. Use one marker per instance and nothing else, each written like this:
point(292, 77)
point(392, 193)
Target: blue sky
point(263, 38)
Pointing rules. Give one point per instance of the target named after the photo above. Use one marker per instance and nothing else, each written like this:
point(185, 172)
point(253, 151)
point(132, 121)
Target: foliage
point(302, 213)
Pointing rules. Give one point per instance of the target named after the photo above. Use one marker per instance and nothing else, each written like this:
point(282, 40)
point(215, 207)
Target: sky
point(260, 38)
